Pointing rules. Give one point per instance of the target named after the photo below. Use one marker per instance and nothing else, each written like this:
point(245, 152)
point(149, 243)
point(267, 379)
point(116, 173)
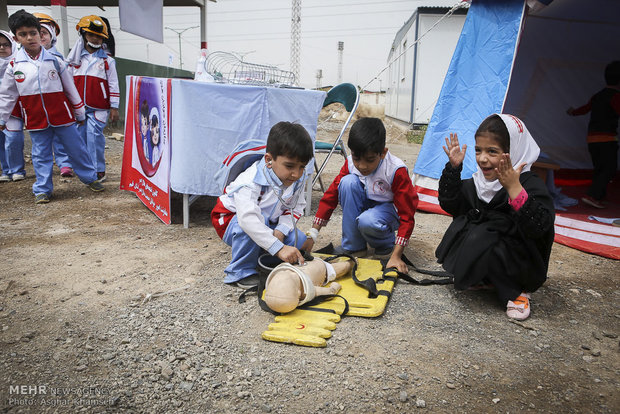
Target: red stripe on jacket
point(220, 217)
point(57, 106)
point(94, 97)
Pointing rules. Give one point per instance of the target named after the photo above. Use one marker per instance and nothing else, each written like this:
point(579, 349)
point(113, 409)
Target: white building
point(415, 78)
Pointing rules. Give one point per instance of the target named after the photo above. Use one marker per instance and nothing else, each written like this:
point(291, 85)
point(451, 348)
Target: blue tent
point(533, 62)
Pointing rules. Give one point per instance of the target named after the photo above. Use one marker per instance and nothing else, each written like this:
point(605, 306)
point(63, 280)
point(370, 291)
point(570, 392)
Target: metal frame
point(338, 140)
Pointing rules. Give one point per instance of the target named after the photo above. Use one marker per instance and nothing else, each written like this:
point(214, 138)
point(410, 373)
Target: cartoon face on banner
point(148, 136)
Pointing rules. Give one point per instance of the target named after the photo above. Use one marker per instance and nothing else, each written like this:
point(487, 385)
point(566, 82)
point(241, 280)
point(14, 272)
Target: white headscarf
point(523, 149)
point(75, 55)
point(5, 61)
point(52, 31)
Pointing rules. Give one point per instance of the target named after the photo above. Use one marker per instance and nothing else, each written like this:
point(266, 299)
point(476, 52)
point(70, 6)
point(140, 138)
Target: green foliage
point(416, 135)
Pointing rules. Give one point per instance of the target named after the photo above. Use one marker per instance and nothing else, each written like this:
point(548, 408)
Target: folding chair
point(348, 95)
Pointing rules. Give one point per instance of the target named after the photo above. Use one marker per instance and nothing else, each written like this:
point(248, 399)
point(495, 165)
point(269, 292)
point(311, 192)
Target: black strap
point(320, 299)
point(369, 284)
point(424, 271)
point(422, 282)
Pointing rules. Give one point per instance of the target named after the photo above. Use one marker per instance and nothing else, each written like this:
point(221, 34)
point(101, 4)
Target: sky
point(259, 31)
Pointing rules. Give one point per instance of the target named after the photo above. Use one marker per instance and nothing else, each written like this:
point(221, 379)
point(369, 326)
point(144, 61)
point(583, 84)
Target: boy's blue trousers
point(42, 159)
point(12, 152)
point(245, 252)
point(92, 133)
point(365, 221)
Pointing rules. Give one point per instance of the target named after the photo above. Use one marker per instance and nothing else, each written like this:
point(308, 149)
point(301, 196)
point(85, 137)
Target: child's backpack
point(242, 156)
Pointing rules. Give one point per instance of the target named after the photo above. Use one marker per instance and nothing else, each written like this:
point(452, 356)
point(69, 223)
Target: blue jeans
point(245, 252)
point(365, 221)
point(12, 152)
point(92, 134)
point(42, 156)
point(60, 154)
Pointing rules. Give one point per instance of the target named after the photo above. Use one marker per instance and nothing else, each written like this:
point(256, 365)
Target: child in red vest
point(376, 195)
point(40, 84)
point(94, 73)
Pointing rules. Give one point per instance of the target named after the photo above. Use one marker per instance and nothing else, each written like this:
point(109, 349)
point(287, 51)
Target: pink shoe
point(66, 172)
point(519, 309)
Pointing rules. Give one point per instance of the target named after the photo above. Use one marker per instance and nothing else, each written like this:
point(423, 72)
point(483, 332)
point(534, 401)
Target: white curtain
point(143, 18)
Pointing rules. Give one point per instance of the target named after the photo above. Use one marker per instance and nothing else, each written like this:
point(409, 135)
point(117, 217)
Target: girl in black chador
point(502, 230)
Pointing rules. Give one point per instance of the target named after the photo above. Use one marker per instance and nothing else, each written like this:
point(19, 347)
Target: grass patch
point(416, 136)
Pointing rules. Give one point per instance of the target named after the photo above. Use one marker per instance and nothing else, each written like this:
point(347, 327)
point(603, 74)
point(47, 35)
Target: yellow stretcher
point(313, 325)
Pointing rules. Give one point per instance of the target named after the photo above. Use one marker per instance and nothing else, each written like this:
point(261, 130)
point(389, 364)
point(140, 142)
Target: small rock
point(125, 341)
point(576, 291)
point(243, 394)
point(420, 403)
point(593, 293)
point(166, 372)
point(108, 356)
point(495, 400)
point(610, 335)
point(80, 368)
point(100, 292)
point(186, 386)
point(88, 347)
point(588, 358)
point(265, 408)
point(450, 385)
point(596, 352)
point(403, 376)
point(586, 347)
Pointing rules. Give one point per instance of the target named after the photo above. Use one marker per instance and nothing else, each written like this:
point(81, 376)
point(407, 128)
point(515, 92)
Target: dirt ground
point(77, 335)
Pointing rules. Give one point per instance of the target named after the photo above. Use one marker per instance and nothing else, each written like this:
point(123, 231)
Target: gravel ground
point(76, 333)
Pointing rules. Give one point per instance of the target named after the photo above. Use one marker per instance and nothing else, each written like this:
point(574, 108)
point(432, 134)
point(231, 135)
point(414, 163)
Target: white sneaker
point(18, 177)
point(4, 178)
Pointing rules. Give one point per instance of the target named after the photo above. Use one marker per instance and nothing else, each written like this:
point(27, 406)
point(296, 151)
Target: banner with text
point(146, 155)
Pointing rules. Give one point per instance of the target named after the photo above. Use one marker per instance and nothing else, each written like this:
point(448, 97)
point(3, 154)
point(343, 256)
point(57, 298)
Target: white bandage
point(313, 233)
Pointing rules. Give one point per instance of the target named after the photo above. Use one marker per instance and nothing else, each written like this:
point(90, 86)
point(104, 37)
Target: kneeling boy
point(376, 195)
point(255, 210)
